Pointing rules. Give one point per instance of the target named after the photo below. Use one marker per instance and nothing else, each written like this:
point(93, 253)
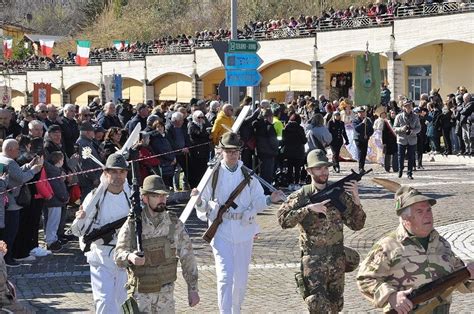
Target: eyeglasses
point(43, 111)
point(201, 117)
point(232, 151)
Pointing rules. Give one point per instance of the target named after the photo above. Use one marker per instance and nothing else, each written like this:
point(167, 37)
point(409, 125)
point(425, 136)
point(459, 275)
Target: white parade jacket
point(250, 201)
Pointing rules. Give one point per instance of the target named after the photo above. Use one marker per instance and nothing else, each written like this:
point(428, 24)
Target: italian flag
point(120, 44)
point(82, 55)
point(47, 47)
point(7, 48)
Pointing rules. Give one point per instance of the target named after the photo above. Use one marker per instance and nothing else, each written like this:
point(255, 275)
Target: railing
point(401, 12)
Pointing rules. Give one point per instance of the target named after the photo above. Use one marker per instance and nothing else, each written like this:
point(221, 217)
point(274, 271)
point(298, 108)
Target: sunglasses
point(201, 117)
point(43, 111)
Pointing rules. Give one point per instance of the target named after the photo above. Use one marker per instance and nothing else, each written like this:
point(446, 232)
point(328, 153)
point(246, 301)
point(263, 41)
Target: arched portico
point(174, 87)
point(132, 90)
point(82, 93)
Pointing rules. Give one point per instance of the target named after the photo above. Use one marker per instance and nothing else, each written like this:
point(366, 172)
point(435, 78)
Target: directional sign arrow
point(243, 46)
point(242, 78)
point(236, 61)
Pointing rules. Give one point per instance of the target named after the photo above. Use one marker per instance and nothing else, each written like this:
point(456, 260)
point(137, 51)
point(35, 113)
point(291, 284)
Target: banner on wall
point(367, 80)
point(113, 87)
point(41, 93)
point(5, 96)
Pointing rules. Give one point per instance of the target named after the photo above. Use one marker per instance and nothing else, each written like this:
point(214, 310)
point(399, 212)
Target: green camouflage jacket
point(154, 227)
point(399, 262)
point(316, 231)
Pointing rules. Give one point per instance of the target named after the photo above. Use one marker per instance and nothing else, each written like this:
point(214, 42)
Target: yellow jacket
point(217, 129)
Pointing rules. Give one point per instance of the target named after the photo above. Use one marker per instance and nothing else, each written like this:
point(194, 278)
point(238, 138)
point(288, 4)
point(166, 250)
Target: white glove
point(248, 217)
point(214, 209)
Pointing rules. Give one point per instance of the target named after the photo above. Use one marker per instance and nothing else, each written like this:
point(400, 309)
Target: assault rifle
point(106, 232)
point(436, 287)
point(211, 231)
point(334, 191)
point(136, 210)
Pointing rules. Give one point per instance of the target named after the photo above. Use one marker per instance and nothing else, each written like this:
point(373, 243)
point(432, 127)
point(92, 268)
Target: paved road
point(60, 283)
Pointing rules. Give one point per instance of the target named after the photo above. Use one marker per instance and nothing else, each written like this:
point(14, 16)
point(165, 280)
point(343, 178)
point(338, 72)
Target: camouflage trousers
point(162, 302)
point(323, 276)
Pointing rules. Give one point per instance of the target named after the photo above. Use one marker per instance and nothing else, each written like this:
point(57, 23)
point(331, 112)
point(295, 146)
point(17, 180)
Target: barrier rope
point(100, 168)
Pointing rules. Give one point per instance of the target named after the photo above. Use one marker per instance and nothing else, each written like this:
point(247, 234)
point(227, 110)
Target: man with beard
point(324, 257)
point(107, 280)
point(151, 276)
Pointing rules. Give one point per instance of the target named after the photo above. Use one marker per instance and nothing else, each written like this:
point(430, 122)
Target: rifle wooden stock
point(211, 231)
point(436, 287)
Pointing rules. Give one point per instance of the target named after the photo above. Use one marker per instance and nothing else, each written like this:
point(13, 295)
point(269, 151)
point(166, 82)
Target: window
point(419, 81)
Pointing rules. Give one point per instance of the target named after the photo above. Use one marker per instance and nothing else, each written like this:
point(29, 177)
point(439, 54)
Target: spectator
point(267, 144)
point(70, 129)
point(198, 135)
point(125, 111)
point(213, 110)
point(16, 177)
point(317, 134)
point(406, 126)
point(446, 122)
point(54, 205)
point(160, 145)
point(95, 106)
point(36, 129)
point(389, 142)
point(41, 111)
point(337, 129)
point(433, 130)
point(421, 139)
point(85, 115)
point(385, 95)
point(293, 142)
point(466, 112)
point(141, 116)
point(111, 141)
point(90, 180)
point(109, 118)
point(223, 120)
point(52, 116)
point(363, 130)
point(177, 135)
point(5, 118)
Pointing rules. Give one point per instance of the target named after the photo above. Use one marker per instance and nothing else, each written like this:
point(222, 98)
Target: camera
point(408, 131)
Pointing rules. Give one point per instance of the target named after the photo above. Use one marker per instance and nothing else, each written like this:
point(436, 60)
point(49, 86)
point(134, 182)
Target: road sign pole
point(234, 91)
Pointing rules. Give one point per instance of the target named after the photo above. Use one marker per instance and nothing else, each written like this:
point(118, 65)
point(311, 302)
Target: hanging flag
point(82, 55)
point(41, 93)
point(367, 80)
point(7, 48)
point(47, 47)
point(120, 44)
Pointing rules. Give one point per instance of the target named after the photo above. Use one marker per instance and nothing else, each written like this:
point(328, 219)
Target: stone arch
point(173, 86)
point(18, 99)
point(422, 43)
point(285, 76)
point(82, 93)
point(211, 81)
point(132, 90)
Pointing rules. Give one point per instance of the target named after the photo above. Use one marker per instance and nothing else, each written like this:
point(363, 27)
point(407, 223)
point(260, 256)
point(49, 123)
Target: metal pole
point(234, 91)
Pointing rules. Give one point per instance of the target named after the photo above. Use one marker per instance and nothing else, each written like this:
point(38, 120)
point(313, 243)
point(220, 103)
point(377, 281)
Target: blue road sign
point(242, 78)
point(237, 61)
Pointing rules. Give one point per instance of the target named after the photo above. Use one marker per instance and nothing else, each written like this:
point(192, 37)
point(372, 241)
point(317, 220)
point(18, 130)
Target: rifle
point(436, 287)
point(211, 231)
point(334, 191)
point(106, 232)
point(136, 210)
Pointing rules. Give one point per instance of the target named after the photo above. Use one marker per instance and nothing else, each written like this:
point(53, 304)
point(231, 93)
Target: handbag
point(24, 198)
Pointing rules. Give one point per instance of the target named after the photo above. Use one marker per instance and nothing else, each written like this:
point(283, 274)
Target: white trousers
point(108, 287)
point(232, 270)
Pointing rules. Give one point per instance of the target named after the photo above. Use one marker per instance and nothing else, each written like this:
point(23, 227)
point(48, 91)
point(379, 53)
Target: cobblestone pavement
point(61, 283)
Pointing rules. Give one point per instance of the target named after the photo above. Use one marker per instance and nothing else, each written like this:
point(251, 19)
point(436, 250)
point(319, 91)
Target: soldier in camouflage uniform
point(324, 257)
point(412, 255)
point(151, 278)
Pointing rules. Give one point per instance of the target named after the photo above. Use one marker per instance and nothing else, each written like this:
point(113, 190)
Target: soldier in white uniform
point(151, 277)
point(233, 241)
point(107, 280)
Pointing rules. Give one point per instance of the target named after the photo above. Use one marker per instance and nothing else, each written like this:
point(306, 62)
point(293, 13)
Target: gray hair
point(83, 110)
point(406, 213)
point(176, 116)
point(34, 123)
point(265, 103)
point(107, 105)
point(8, 144)
point(68, 107)
point(214, 105)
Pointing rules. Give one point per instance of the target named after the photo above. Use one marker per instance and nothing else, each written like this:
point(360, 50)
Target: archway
point(174, 87)
point(340, 74)
point(285, 80)
point(444, 65)
point(55, 97)
point(82, 93)
point(18, 99)
point(132, 90)
point(211, 81)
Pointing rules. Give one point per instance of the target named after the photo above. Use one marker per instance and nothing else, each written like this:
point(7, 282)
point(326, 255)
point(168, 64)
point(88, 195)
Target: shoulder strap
point(246, 174)
point(174, 221)
point(215, 176)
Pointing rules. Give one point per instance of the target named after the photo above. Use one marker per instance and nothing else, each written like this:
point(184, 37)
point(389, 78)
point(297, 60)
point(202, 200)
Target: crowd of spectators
point(378, 13)
point(177, 141)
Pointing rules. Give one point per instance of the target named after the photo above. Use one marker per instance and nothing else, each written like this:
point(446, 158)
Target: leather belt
point(232, 216)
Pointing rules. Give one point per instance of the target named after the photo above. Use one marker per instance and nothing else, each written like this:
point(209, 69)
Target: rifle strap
point(215, 176)
point(235, 193)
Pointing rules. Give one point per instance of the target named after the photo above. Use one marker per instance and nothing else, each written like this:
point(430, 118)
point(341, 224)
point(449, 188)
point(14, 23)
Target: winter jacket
point(401, 120)
point(293, 141)
point(389, 139)
point(61, 195)
point(337, 128)
point(70, 134)
point(267, 142)
point(160, 145)
point(199, 135)
point(362, 131)
point(109, 121)
point(17, 176)
point(317, 136)
point(217, 129)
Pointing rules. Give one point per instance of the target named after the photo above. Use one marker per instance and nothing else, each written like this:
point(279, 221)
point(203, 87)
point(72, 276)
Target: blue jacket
point(361, 131)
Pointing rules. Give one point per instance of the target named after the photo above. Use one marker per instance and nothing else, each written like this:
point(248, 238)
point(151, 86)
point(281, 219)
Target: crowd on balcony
point(378, 13)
